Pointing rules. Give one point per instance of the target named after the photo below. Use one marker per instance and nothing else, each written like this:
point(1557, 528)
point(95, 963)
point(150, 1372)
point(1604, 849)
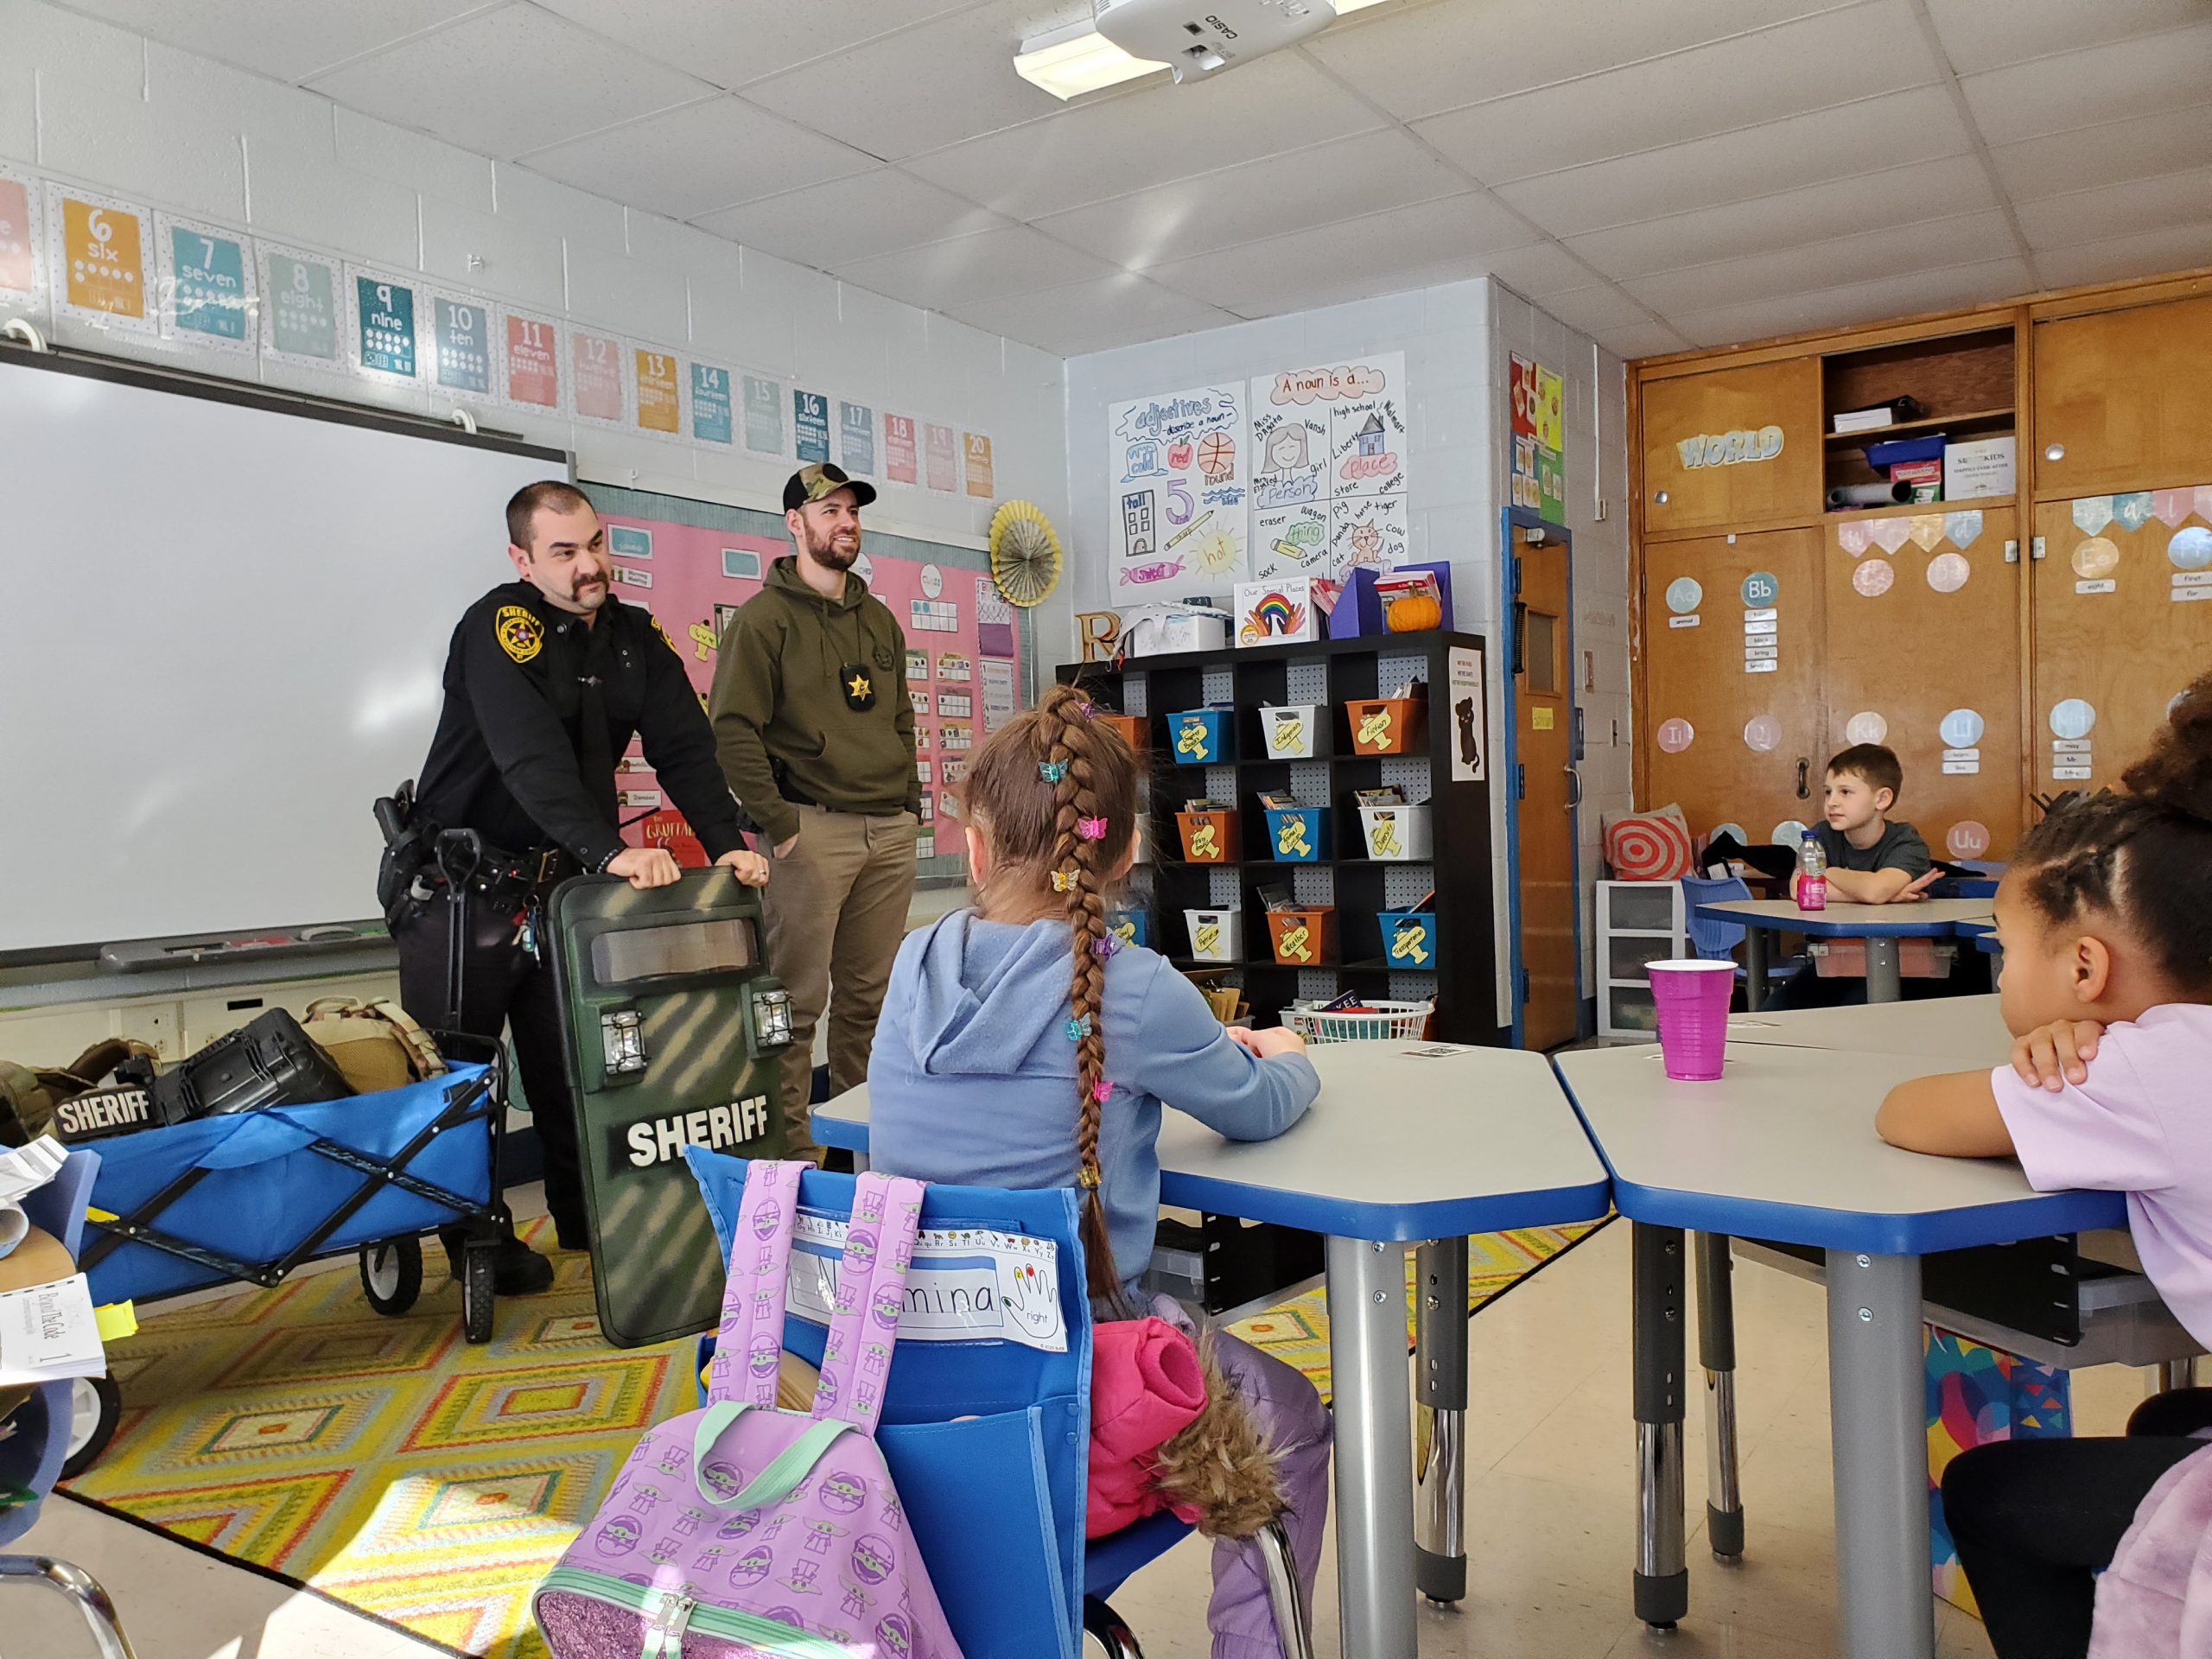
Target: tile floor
point(1548, 1509)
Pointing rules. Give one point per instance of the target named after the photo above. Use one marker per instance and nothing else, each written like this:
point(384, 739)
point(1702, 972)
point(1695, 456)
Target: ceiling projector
point(1197, 38)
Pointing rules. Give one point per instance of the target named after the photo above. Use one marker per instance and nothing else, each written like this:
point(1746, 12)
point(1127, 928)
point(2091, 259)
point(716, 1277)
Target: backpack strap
point(422, 1048)
point(871, 1290)
point(752, 1335)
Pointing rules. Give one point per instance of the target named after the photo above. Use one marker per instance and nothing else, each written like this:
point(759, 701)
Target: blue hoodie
point(972, 1079)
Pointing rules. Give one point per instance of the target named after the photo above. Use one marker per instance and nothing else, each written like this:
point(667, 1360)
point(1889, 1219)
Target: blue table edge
point(1921, 1233)
point(1388, 1223)
point(1808, 922)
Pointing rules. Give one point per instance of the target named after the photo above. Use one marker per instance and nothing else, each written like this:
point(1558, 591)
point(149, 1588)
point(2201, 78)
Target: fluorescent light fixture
point(1344, 6)
point(1070, 62)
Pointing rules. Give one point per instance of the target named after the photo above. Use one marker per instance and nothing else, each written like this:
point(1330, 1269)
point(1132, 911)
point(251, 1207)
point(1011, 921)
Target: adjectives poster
point(1329, 468)
point(1177, 471)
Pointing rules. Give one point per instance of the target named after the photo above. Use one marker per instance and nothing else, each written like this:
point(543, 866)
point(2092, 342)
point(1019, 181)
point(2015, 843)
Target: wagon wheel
point(392, 1275)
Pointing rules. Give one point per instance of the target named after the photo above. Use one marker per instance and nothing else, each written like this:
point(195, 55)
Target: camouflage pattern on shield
point(672, 1027)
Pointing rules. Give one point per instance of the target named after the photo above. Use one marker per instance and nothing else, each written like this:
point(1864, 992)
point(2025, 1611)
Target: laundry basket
point(1376, 1022)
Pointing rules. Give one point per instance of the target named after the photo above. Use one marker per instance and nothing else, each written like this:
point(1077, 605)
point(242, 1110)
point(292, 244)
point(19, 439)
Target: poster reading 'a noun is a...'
point(1177, 471)
point(1329, 468)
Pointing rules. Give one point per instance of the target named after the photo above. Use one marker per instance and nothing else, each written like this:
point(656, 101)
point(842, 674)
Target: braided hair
point(2144, 857)
point(1054, 792)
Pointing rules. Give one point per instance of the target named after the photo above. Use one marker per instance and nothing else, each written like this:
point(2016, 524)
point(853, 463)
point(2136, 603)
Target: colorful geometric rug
point(1297, 1331)
point(385, 1464)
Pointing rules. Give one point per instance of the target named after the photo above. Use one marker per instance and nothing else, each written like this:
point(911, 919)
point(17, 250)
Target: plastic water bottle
point(1812, 874)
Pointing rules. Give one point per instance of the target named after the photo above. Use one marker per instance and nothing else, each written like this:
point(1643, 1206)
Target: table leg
point(1440, 1419)
point(1375, 1481)
point(1662, 1578)
point(1883, 983)
point(1754, 968)
point(1877, 1396)
point(1716, 1345)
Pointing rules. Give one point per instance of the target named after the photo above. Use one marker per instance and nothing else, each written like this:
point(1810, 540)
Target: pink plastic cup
point(1692, 999)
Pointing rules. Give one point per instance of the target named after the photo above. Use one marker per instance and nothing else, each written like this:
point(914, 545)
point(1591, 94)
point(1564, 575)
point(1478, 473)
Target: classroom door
point(1920, 651)
point(1548, 790)
point(1732, 722)
point(2123, 623)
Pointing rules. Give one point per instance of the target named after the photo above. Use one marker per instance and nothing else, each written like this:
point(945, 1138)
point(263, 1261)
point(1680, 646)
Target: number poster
point(87, 262)
point(1175, 479)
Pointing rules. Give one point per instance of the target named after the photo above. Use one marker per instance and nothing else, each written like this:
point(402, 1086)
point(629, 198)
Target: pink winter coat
point(1146, 1387)
point(2155, 1601)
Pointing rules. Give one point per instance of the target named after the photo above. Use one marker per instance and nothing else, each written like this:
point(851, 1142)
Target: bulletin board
point(970, 654)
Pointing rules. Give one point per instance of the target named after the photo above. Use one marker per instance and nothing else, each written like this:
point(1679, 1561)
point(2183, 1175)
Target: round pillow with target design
point(1652, 846)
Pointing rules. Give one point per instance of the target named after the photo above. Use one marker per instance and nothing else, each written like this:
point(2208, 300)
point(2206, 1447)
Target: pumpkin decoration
point(1411, 612)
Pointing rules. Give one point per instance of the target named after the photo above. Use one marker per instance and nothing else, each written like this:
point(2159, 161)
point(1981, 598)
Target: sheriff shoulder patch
point(663, 633)
point(519, 634)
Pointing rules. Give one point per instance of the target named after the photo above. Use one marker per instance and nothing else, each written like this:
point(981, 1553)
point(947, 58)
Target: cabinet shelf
point(1906, 429)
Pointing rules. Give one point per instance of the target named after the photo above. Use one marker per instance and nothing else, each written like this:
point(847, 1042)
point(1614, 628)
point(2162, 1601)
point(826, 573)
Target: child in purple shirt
point(2106, 921)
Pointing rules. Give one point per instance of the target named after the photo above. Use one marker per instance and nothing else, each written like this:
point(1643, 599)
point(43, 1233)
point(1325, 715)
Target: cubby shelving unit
point(1329, 674)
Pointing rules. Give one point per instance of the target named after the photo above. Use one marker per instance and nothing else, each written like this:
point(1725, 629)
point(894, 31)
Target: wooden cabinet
point(2117, 632)
point(1921, 650)
point(1735, 445)
point(2120, 399)
point(1732, 736)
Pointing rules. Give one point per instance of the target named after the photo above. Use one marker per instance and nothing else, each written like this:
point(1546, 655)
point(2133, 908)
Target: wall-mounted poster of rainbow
point(1279, 613)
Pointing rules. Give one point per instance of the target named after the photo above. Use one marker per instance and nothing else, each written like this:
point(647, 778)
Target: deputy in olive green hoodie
point(815, 732)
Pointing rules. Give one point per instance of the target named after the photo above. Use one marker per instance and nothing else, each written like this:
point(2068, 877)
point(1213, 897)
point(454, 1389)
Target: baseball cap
point(817, 479)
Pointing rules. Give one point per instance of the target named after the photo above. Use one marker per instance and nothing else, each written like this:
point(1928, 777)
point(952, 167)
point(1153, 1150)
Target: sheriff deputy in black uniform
point(547, 680)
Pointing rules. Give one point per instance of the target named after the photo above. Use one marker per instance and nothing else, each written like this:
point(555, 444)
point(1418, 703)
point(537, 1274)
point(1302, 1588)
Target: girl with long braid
point(1023, 1046)
point(2106, 919)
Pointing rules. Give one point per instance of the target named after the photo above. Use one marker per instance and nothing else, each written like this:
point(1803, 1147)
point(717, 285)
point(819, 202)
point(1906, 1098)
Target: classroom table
point(1783, 1146)
point(1984, 935)
point(1408, 1142)
point(1880, 925)
point(1962, 1032)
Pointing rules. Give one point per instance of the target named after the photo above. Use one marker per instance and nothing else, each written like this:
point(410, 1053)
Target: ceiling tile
point(830, 225)
point(2088, 156)
point(1285, 193)
point(1123, 309)
point(1870, 201)
point(1633, 341)
point(731, 45)
point(1904, 295)
point(2091, 84)
point(1094, 149)
point(467, 84)
point(968, 269)
point(281, 37)
point(1833, 58)
point(1596, 311)
point(1861, 257)
point(1383, 253)
point(2148, 253)
point(1918, 125)
point(1428, 59)
point(948, 79)
point(688, 160)
point(1979, 34)
point(2118, 210)
point(1540, 270)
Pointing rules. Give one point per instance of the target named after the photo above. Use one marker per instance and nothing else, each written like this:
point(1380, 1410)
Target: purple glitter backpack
point(740, 1531)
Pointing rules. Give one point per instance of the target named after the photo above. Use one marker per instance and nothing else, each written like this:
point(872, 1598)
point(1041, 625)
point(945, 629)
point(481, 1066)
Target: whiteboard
point(227, 635)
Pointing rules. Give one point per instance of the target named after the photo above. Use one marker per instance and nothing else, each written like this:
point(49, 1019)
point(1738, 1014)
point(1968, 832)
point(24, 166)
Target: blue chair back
point(33, 1455)
point(1000, 1494)
point(1714, 941)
